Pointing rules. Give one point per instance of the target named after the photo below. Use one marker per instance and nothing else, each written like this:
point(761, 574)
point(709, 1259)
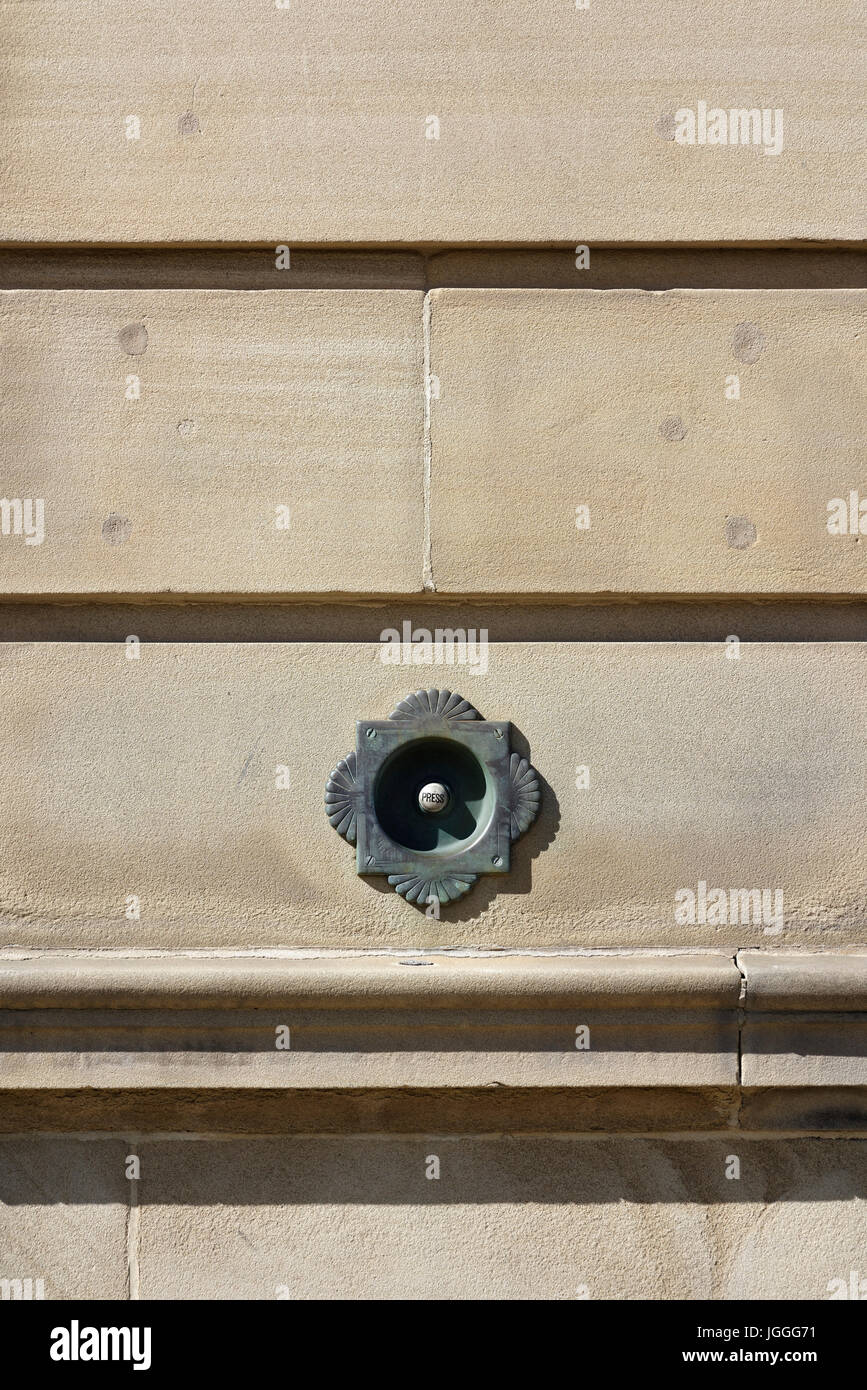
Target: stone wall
point(346, 351)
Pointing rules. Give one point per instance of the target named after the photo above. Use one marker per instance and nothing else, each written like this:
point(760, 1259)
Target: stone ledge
point(790, 980)
point(382, 1040)
point(70, 1023)
point(805, 1031)
point(672, 1042)
point(45, 980)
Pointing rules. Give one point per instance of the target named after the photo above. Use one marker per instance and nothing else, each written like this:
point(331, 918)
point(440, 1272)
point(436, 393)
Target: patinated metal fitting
point(432, 797)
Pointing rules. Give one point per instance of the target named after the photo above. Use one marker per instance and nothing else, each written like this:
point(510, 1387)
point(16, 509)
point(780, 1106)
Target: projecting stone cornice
point(435, 980)
point(793, 980)
point(494, 1040)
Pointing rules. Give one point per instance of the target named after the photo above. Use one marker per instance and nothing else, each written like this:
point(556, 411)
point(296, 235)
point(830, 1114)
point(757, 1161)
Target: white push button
point(434, 798)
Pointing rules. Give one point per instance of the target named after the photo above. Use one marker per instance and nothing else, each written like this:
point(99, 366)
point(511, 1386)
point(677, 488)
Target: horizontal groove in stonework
point(630, 1111)
point(388, 267)
point(530, 618)
point(467, 1111)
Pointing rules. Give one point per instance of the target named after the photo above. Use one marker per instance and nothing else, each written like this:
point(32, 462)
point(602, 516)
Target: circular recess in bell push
point(433, 796)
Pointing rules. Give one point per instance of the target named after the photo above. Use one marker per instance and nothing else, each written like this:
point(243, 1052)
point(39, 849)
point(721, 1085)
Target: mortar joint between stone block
point(427, 558)
point(741, 1019)
point(133, 1229)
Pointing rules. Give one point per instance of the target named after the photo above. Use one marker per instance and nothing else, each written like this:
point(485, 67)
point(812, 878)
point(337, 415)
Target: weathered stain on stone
point(133, 339)
point(673, 428)
point(116, 529)
point(740, 533)
point(188, 124)
point(666, 125)
point(748, 342)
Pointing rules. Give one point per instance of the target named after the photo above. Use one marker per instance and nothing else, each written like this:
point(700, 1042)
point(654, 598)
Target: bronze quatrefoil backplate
point(433, 796)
